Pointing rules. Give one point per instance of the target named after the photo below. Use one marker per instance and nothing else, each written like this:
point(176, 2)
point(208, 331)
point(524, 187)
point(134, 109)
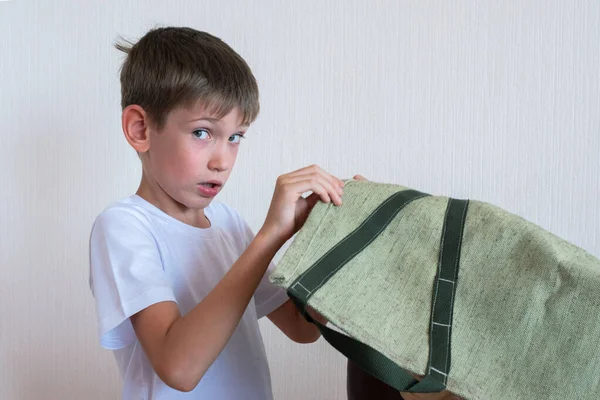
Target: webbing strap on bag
point(363, 355)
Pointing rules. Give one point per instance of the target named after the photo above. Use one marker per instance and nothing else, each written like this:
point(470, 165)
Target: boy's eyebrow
point(213, 120)
point(209, 119)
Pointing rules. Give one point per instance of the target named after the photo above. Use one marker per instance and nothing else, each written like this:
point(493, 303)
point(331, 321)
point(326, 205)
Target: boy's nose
point(219, 161)
point(218, 165)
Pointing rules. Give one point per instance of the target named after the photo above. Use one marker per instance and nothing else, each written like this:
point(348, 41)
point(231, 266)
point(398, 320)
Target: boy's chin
point(198, 201)
point(191, 201)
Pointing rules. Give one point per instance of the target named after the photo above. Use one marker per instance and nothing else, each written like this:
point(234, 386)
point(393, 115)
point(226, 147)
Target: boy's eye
point(201, 133)
point(235, 138)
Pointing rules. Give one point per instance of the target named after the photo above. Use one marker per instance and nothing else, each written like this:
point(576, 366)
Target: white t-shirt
point(139, 256)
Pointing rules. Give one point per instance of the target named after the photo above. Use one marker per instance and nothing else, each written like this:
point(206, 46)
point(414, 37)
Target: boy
point(179, 280)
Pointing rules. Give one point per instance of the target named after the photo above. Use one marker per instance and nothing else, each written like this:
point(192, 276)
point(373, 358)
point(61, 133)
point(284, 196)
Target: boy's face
point(191, 158)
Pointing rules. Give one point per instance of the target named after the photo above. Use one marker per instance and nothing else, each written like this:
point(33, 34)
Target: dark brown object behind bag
point(362, 386)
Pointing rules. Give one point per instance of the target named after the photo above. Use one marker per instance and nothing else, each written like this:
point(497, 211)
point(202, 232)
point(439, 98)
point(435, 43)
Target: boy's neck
point(161, 200)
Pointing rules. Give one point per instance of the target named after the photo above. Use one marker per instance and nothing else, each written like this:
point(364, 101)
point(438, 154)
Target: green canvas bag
point(477, 300)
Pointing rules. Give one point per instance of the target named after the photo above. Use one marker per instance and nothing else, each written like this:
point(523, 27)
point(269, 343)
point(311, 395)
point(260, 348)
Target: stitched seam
point(455, 275)
point(440, 372)
point(437, 284)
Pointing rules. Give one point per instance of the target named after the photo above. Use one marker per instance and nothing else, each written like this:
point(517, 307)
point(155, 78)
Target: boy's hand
point(289, 210)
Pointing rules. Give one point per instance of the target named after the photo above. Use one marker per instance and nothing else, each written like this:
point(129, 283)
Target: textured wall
point(497, 101)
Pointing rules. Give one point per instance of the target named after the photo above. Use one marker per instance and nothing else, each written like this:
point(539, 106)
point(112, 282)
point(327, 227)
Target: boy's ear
point(136, 127)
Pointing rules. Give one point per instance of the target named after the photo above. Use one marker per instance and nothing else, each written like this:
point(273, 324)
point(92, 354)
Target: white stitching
point(437, 283)
point(462, 224)
point(303, 287)
point(440, 372)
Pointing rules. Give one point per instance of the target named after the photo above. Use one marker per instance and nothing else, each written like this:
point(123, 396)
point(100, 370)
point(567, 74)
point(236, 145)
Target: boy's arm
point(181, 349)
point(289, 320)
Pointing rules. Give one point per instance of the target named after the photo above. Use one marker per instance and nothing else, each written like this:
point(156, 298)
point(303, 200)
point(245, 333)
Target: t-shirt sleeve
point(267, 297)
point(126, 274)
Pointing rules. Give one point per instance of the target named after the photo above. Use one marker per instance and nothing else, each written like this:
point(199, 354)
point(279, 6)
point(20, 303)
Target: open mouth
point(210, 189)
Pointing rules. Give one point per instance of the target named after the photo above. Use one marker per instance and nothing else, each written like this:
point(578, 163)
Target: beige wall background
point(495, 101)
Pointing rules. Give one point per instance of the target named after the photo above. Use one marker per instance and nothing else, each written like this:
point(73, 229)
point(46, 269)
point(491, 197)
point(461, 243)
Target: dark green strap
point(444, 290)
point(369, 359)
point(366, 357)
point(331, 262)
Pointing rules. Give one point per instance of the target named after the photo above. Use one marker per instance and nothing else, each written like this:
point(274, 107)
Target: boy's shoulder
point(124, 211)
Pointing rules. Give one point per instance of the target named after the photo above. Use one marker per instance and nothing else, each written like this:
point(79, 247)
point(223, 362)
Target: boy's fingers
point(315, 169)
point(360, 178)
point(335, 192)
point(307, 184)
point(331, 193)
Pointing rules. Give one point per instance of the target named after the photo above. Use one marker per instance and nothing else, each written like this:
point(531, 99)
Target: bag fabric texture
point(477, 300)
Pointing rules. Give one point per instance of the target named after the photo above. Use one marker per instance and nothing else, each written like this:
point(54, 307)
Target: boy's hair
point(178, 66)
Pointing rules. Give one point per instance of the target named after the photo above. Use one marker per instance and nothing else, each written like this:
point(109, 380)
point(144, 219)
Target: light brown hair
point(178, 66)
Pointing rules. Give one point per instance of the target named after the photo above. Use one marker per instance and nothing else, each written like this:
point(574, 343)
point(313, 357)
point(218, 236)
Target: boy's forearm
point(195, 340)
point(309, 332)
point(293, 324)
